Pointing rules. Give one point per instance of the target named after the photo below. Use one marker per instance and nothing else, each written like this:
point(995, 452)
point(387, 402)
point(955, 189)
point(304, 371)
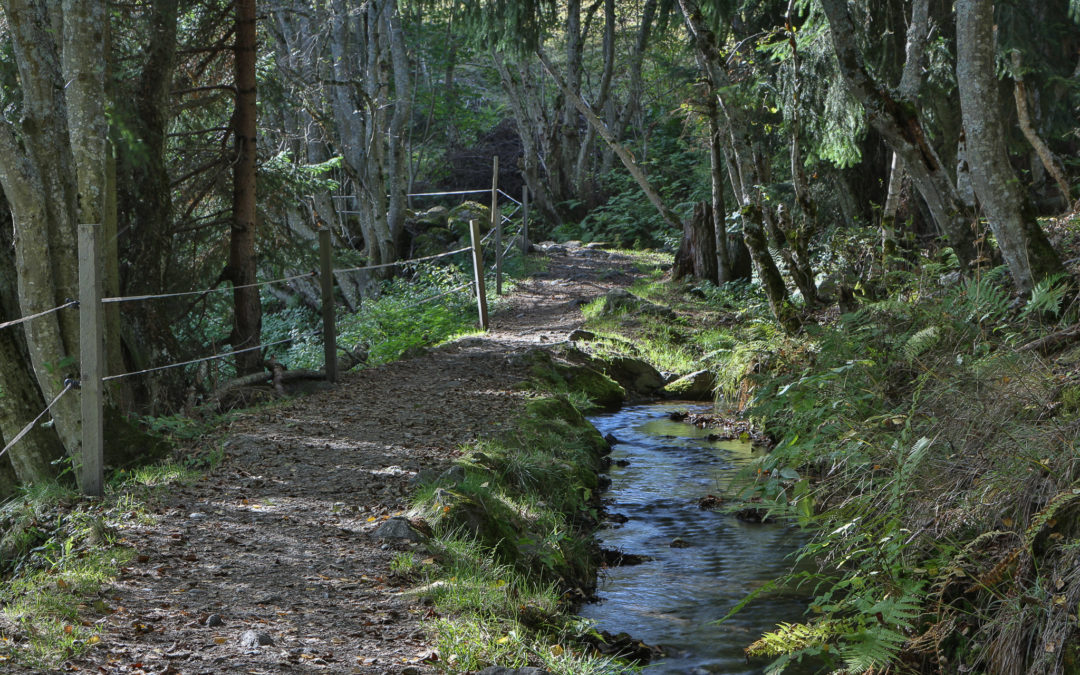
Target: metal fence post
point(478, 274)
point(91, 362)
point(326, 279)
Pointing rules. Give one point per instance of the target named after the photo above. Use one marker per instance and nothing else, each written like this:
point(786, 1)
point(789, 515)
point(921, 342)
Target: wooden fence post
point(496, 223)
point(478, 273)
point(91, 361)
point(524, 219)
point(326, 279)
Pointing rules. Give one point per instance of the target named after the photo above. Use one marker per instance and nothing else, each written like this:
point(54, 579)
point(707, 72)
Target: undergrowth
point(59, 553)
point(931, 449)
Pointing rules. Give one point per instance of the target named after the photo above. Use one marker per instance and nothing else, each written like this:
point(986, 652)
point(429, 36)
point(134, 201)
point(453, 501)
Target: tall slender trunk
point(900, 127)
point(910, 81)
point(1020, 96)
point(627, 159)
point(31, 459)
point(724, 267)
point(1008, 209)
point(740, 155)
point(247, 325)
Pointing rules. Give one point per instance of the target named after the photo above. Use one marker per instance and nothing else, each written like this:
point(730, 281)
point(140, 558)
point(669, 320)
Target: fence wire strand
point(215, 357)
point(444, 293)
point(16, 322)
point(68, 386)
point(509, 197)
point(222, 289)
point(402, 262)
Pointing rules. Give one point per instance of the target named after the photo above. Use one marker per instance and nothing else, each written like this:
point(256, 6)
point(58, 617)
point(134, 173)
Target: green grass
point(58, 551)
point(509, 541)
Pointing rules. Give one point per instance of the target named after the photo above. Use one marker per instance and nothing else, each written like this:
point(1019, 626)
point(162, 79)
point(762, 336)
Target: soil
point(269, 564)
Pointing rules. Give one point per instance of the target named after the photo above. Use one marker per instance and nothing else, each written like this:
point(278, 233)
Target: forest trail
point(278, 539)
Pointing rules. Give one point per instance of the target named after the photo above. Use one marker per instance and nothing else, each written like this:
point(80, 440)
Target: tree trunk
point(740, 162)
point(1049, 162)
point(899, 125)
point(910, 82)
point(1008, 209)
point(31, 459)
point(627, 159)
point(697, 252)
point(39, 178)
point(247, 325)
point(724, 267)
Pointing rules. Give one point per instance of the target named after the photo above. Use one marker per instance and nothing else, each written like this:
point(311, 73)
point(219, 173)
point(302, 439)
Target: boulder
point(622, 301)
point(634, 374)
point(436, 216)
point(459, 217)
point(698, 386)
point(398, 527)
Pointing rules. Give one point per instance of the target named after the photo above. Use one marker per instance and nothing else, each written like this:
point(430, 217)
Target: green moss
point(1070, 399)
point(548, 374)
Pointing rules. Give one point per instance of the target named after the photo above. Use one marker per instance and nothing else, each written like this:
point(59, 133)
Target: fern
point(791, 640)
point(921, 342)
point(1047, 296)
point(870, 648)
point(981, 300)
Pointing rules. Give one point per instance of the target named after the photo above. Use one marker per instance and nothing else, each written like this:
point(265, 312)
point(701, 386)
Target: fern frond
point(921, 342)
point(792, 637)
point(871, 647)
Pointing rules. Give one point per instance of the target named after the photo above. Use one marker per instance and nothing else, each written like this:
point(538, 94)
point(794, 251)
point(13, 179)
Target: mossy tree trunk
point(1008, 209)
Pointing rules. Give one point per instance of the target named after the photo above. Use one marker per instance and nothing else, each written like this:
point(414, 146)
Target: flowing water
point(673, 599)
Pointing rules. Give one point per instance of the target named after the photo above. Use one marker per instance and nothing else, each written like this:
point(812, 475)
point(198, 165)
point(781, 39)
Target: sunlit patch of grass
point(492, 614)
point(58, 551)
point(49, 611)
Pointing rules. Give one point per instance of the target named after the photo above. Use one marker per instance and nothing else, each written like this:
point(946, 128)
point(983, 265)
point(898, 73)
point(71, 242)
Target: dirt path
point(278, 539)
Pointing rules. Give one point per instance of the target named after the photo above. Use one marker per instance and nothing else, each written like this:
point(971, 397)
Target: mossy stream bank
point(512, 526)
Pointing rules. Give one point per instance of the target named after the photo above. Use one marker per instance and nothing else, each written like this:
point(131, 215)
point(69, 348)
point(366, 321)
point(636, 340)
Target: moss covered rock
point(459, 217)
point(549, 373)
point(699, 386)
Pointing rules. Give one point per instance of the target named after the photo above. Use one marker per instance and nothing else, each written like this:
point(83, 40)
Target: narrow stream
point(660, 469)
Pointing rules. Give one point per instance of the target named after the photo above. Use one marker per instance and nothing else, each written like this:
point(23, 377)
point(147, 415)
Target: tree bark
point(697, 252)
point(1047, 158)
point(247, 323)
point(627, 159)
point(31, 459)
point(39, 178)
point(910, 81)
point(1008, 209)
point(724, 267)
point(898, 123)
point(741, 169)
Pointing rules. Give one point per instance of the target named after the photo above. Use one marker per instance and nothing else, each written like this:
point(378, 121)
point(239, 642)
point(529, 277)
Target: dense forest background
point(882, 193)
point(827, 143)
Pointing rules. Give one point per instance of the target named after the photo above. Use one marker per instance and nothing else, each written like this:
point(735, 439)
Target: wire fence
point(68, 386)
point(91, 303)
point(31, 317)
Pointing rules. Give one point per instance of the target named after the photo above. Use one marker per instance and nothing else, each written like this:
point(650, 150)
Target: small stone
point(196, 516)
point(679, 542)
point(251, 639)
point(611, 439)
point(214, 620)
point(410, 670)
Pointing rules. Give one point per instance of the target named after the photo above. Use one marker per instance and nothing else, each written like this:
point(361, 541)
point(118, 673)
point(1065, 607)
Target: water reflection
point(673, 599)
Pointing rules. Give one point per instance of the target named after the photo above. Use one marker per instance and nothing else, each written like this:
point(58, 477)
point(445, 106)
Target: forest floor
point(276, 544)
